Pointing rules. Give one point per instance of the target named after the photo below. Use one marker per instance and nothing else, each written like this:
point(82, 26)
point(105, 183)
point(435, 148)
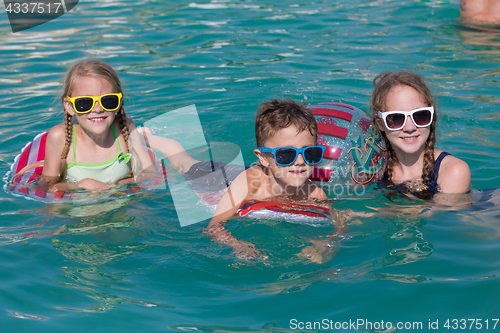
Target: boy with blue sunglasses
point(286, 134)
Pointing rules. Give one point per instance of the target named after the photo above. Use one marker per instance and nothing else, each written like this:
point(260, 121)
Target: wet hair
point(98, 69)
point(384, 83)
point(278, 114)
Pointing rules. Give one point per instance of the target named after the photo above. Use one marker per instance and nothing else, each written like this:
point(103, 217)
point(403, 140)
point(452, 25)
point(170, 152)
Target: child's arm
point(53, 149)
point(236, 194)
point(323, 250)
point(454, 176)
point(143, 167)
point(171, 149)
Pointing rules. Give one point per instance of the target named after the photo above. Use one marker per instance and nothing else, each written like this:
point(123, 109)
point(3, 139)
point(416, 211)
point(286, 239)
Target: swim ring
point(27, 168)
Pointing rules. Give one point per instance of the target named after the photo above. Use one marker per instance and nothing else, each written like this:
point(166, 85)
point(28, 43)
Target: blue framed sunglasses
point(285, 156)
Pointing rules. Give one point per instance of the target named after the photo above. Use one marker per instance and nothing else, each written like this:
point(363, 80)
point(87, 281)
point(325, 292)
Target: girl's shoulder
point(56, 139)
point(57, 135)
point(130, 123)
point(58, 130)
point(454, 175)
point(118, 128)
point(450, 163)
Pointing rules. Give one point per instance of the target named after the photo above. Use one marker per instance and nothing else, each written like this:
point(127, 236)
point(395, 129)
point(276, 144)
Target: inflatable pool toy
point(355, 154)
point(283, 211)
point(271, 210)
point(27, 169)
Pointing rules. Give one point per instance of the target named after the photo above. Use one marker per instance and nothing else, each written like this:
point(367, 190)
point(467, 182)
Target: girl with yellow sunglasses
point(93, 153)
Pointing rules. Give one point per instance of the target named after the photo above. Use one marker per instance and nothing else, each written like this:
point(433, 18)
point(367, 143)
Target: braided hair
point(384, 83)
point(93, 68)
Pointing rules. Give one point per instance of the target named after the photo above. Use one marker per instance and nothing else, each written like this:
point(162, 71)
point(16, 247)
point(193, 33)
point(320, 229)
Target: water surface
point(130, 266)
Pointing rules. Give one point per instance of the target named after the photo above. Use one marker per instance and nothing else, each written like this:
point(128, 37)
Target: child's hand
point(125, 181)
point(90, 184)
point(46, 183)
point(319, 252)
point(150, 178)
point(241, 249)
point(247, 251)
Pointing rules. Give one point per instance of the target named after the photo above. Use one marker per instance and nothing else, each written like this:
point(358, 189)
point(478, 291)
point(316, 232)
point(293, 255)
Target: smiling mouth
point(97, 119)
point(297, 172)
point(409, 138)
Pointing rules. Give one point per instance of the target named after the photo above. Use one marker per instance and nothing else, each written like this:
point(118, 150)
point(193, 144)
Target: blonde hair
point(94, 68)
point(384, 83)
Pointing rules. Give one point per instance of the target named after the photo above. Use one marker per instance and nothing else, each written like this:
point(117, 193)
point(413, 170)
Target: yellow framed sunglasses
point(84, 104)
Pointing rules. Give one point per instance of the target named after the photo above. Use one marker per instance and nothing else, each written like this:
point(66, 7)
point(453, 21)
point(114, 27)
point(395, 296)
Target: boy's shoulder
point(255, 177)
point(256, 170)
point(251, 183)
point(316, 191)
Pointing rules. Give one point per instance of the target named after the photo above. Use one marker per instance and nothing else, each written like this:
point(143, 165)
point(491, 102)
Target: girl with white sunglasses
point(404, 111)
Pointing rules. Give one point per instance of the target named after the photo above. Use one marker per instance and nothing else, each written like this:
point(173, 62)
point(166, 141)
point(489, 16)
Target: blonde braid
point(68, 136)
point(122, 119)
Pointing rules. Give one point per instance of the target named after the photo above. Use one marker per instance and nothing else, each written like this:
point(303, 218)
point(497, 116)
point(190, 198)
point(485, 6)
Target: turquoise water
point(130, 266)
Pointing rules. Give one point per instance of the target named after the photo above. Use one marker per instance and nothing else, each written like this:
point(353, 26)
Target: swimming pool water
point(129, 266)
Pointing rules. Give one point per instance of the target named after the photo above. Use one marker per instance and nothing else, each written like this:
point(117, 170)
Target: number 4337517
point(471, 324)
point(33, 7)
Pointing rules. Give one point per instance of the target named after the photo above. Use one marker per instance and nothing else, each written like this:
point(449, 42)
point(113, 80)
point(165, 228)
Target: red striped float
point(28, 167)
point(283, 211)
point(355, 151)
point(270, 210)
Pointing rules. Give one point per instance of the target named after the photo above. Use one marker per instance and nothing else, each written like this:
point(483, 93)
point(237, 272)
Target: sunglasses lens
point(395, 120)
point(285, 156)
point(110, 102)
point(83, 104)
point(422, 118)
point(313, 155)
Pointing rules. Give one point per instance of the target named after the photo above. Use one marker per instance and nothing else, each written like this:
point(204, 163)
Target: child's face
point(410, 139)
point(97, 120)
point(298, 173)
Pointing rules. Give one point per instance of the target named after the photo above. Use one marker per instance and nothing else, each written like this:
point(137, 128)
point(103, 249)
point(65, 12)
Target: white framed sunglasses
point(396, 120)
